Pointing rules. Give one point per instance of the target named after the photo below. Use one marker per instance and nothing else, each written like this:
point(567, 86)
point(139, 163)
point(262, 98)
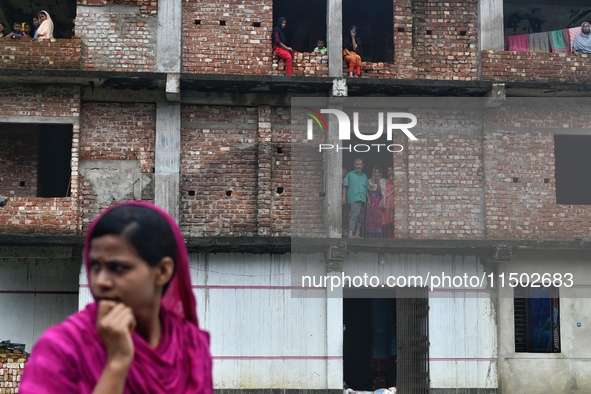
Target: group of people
point(368, 203)
point(352, 49)
point(43, 28)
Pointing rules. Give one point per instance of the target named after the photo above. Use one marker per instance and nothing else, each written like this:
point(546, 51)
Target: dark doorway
point(369, 343)
point(306, 22)
point(375, 20)
point(55, 154)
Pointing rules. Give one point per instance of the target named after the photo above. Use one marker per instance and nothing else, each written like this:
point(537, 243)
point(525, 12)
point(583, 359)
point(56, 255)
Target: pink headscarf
point(70, 357)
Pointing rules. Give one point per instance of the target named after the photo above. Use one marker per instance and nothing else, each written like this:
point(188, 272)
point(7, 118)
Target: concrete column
point(170, 33)
point(334, 37)
point(168, 158)
point(333, 168)
point(490, 13)
point(334, 338)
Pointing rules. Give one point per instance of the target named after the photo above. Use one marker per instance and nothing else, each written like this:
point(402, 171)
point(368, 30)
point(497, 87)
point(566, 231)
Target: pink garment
point(45, 29)
point(518, 43)
point(70, 357)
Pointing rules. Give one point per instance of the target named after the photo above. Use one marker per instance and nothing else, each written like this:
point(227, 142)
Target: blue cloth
point(582, 42)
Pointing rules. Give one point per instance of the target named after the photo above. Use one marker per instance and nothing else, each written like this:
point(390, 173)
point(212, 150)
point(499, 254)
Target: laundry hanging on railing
point(557, 41)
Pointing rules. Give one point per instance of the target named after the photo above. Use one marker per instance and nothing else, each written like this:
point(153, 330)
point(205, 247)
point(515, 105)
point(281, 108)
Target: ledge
point(284, 244)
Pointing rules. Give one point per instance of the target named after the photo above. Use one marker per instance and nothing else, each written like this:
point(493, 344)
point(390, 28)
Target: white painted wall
point(38, 288)
point(565, 372)
point(262, 334)
point(462, 325)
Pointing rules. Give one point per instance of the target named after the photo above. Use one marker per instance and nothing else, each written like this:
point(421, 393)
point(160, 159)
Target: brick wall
point(537, 67)
point(281, 166)
point(236, 48)
point(305, 63)
point(24, 212)
point(521, 187)
point(403, 39)
point(114, 134)
point(445, 39)
point(117, 41)
point(54, 54)
point(40, 101)
point(219, 164)
point(18, 160)
point(445, 187)
point(146, 6)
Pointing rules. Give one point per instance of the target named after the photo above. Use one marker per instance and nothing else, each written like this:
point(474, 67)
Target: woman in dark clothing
point(279, 45)
point(352, 51)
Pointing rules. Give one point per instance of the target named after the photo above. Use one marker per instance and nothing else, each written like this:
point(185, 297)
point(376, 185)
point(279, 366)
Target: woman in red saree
point(141, 335)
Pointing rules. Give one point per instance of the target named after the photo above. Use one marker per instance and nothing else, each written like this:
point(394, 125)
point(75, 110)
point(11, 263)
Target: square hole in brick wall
point(38, 159)
point(572, 163)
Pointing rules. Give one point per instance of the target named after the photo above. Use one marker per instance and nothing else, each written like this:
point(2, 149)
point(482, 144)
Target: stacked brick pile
point(304, 63)
point(12, 363)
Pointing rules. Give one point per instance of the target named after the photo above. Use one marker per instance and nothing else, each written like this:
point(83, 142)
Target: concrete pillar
point(334, 37)
point(168, 158)
point(333, 166)
point(169, 57)
point(170, 33)
point(491, 35)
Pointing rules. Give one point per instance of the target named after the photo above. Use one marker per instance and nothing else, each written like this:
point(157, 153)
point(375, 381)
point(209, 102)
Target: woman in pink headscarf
point(45, 29)
point(141, 334)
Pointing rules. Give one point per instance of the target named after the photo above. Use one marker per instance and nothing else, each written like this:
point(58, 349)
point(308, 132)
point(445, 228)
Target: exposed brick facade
point(115, 132)
point(25, 212)
point(445, 39)
point(219, 157)
point(146, 6)
point(54, 54)
point(504, 66)
point(117, 41)
point(238, 47)
point(18, 160)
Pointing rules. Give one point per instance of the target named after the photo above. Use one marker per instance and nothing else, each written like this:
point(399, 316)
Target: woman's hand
point(115, 323)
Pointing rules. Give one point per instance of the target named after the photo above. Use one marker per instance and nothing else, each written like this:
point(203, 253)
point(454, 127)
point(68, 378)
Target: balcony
point(54, 54)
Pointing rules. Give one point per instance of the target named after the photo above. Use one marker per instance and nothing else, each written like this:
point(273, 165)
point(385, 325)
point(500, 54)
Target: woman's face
point(36, 22)
point(283, 24)
point(27, 29)
point(377, 174)
point(42, 17)
point(118, 273)
point(390, 172)
point(1, 28)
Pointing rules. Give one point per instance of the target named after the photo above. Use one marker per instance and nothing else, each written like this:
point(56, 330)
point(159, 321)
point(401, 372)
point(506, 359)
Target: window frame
point(523, 320)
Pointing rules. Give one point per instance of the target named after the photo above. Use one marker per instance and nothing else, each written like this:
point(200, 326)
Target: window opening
point(537, 319)
point(572, 163)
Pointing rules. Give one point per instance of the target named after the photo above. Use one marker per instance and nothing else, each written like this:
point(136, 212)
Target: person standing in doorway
point(355, 186)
